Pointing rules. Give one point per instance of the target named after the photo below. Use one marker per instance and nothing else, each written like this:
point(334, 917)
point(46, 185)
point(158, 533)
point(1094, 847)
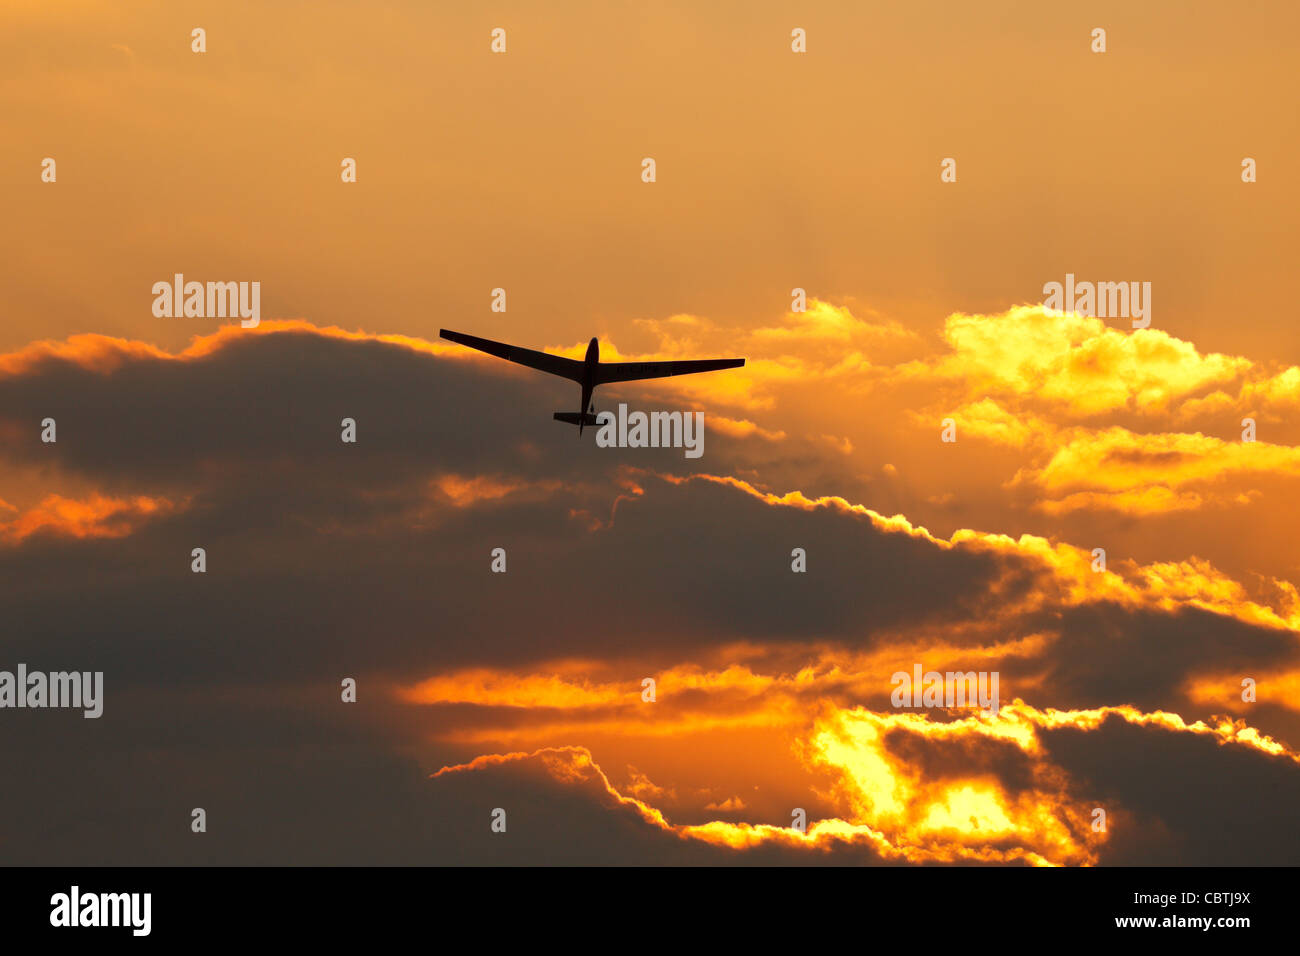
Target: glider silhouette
point(590, 372)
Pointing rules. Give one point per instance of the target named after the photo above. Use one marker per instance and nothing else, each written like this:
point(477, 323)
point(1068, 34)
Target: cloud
point(97, 517)
point(1153, 473)
point(1002, 789)
point(372, 561)
point(1073, 364)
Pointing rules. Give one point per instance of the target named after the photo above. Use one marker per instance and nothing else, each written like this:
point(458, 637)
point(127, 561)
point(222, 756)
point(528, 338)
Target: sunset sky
point(1121, 689)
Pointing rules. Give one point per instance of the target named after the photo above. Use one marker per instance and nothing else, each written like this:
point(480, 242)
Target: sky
point(1121, 686)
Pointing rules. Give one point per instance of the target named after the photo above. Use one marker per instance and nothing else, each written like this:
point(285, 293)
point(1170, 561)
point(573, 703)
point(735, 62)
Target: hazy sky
point(775, 170)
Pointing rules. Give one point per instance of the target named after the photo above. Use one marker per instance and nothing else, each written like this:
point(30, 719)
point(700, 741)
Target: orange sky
point(775, 171)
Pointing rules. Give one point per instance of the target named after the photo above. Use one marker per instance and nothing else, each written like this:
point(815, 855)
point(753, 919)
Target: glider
point(590, 372)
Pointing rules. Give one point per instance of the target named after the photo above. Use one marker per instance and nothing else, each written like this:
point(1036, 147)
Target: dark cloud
point(1185, 798)
point(319, 542)
point(1107, 653)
